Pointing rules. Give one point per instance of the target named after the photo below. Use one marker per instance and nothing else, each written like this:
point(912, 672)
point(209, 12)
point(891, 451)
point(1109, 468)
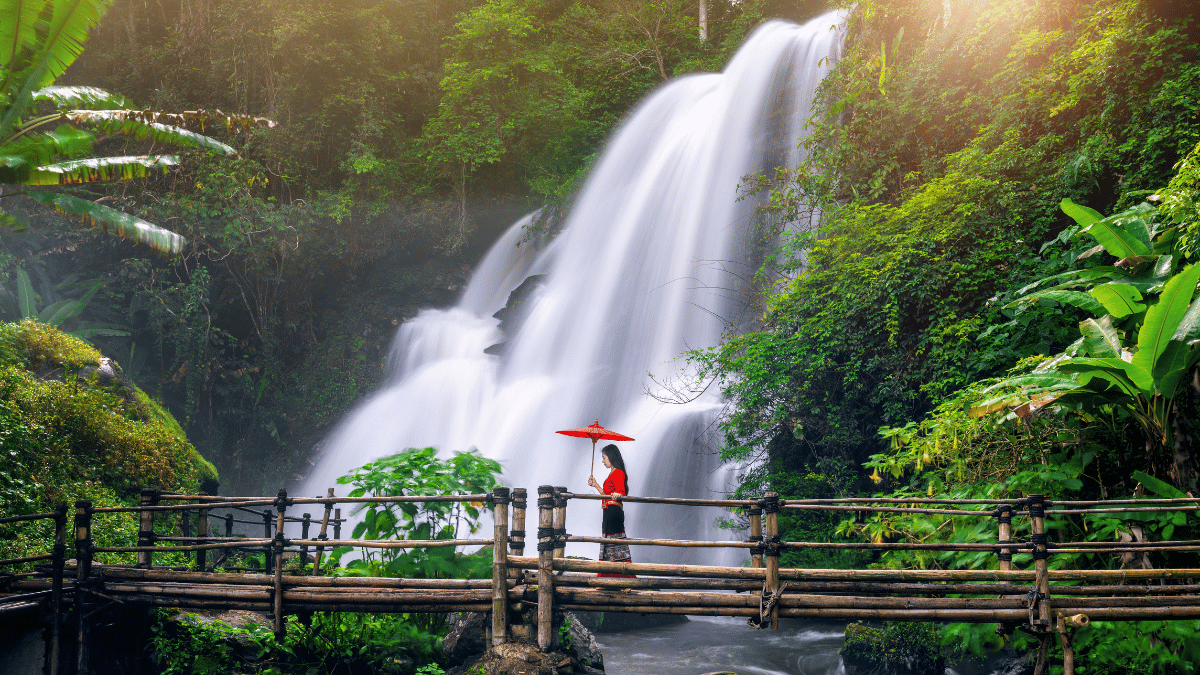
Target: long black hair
point(613, 453)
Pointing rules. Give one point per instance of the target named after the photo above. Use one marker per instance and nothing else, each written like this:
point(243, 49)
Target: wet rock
point(575, 650)
point(467, 636)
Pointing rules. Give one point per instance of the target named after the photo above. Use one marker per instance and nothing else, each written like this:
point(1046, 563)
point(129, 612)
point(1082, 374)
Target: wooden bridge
point(525, 592)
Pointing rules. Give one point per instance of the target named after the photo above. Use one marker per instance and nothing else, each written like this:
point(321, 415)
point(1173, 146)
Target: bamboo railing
point(1038, 599)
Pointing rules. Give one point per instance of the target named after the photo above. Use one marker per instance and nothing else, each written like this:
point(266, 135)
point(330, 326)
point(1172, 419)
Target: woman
point(615, 486)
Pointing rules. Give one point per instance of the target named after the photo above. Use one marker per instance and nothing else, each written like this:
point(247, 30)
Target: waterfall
point(652, 261)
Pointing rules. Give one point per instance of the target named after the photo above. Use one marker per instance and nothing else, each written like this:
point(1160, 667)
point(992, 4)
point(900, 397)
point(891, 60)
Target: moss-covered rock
point(73, 427)
point(899, 648)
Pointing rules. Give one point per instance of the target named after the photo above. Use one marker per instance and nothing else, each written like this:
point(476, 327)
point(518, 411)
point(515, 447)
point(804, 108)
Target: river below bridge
point(726, 644)
point(707, 644)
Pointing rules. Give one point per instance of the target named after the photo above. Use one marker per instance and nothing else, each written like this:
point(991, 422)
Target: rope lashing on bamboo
point(766, 603)
point(1032, 598)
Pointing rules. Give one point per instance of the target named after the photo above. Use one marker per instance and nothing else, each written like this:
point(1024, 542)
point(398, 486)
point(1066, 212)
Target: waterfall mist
point(653, 260)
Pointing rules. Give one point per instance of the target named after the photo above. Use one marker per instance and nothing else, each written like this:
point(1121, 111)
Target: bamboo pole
point(316, 571)
point(560, 522)
point(516, 538)
point(1068, 652)
point(1015, 576)
point(1041, 555)
point(149, 498)
point(756, 536)
point(202, 532)
point(268, 559)
point(725, 503)
point(304, 525)
point(54, 667)
point(500, 498)
point(281, 502)
point(1004, 536)
point(545, 560)
point(83, 564)
point(771, 551)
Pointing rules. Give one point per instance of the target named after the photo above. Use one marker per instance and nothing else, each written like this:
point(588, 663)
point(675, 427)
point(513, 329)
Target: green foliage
point(418, 472)
point(329, 643)
point(897, 646)
point(67, 434)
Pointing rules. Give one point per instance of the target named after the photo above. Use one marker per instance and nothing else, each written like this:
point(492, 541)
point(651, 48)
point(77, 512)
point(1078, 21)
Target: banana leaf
point(113, 221)
point(1164, 317)
point(101, 169)
point(1120, 300)
point(1100, 338)
point(67, 98)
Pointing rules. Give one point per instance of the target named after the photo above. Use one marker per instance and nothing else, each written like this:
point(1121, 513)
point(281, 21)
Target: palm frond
point(112, 221)
point(100, 169)
point(69, 98)
point(135, 123)
point(18, 32)
point(196, 119)
point(68, 30)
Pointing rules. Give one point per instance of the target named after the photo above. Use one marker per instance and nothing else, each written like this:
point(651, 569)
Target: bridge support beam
point(83, 567)
point(316, 570)
point(500, 499)
point(149, 497)
point(545, 585)
point(560, 522)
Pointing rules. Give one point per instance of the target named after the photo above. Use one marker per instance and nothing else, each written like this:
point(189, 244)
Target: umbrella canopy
point(595, 432)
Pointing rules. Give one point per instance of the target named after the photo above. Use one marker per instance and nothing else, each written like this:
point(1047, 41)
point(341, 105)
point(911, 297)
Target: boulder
point(467, 636)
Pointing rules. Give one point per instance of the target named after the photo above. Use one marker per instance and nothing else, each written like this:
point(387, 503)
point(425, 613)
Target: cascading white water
point(650, 263)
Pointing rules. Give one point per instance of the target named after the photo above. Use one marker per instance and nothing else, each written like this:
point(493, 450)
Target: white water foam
point(650, 263)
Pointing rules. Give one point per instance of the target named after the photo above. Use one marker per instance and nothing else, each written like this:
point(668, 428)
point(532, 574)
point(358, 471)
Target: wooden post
point(60, 554)
point(545, 585)
point(316, 571)
point(516, 538)
point(337, 522)
point(560, 522)
point(277, 546)
point(202, 533)
point(756, 536)
point(268, 559)
point(1037, 518)
point(771, 550)
point(83, 567)
point(1068, 651)
point(149, 497)
point(1004, 536)
point(1041, 615)
point(304, 524)
point(229, 525)
point(500, 498)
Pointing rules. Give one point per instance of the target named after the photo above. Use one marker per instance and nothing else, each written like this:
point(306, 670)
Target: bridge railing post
point(1040, 600)
point(83, 567)
point(545, 585)
point(304, 525)
point(756, 536)
point(149, 497)
point(268, 559)
point(500, 499)
point(316, 570)
point(1003, 515)
point(277, 549)
point(202, 538)
point(560, 522)
point(771, 549)
point(59, 562)
point(516, 538)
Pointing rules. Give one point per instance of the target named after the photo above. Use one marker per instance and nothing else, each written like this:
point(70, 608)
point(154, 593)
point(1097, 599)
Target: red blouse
point(614, 484)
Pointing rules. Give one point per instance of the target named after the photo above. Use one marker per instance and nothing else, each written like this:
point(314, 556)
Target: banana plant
point(1134, 354)
point(47, 132)
point(60, 312)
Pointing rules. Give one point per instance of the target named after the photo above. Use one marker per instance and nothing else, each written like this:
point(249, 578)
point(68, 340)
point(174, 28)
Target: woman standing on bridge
point(613, 527)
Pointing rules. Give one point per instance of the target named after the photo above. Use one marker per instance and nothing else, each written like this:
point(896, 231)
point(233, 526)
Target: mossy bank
point(73, 427)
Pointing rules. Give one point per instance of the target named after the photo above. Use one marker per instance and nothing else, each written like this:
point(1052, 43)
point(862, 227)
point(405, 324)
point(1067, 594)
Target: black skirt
point(614, 520)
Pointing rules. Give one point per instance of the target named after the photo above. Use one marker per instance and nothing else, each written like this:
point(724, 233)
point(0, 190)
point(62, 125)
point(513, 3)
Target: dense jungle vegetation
point(967, 322)
point(407, 132)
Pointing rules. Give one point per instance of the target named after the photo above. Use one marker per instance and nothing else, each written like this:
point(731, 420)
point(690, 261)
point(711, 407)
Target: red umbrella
point(596, 433)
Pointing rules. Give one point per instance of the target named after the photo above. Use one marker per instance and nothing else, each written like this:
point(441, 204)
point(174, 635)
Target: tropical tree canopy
point(48, 133)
